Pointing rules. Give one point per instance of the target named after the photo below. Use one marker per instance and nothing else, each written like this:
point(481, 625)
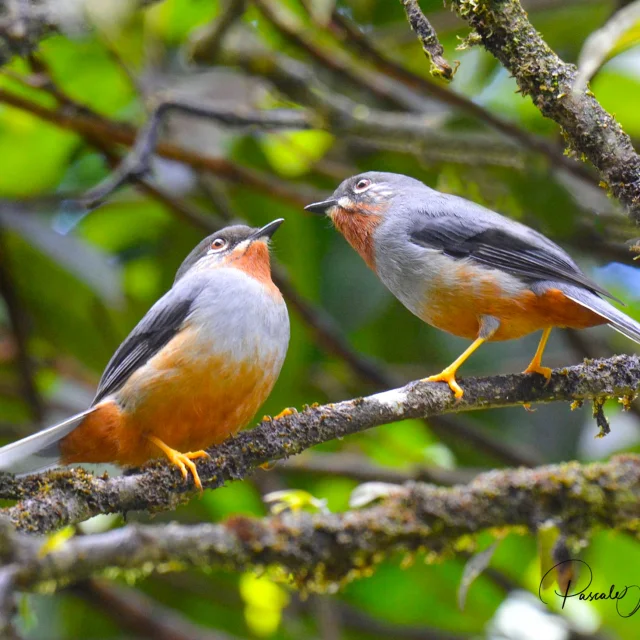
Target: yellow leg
point(448, 375)
point(535, 366)
point(182, 460)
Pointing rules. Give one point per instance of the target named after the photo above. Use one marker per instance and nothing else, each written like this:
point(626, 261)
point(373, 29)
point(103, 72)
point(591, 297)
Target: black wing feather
point(532, 258)
point(153, 332)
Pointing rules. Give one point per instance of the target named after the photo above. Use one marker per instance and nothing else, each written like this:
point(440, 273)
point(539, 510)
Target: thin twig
point(137, 162)
point(429, 40)
point(121, 133)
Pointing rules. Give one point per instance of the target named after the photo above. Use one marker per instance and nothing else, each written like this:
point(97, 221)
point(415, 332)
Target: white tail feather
point(617, 319)
point(38, 451)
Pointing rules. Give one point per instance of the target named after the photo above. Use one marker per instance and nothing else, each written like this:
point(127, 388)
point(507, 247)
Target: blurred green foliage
point(137, 243)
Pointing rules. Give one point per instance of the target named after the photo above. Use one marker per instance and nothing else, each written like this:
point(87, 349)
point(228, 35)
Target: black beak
point(320, 208)
point(267, 231)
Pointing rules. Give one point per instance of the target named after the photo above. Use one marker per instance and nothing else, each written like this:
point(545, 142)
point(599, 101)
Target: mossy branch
point(56, 498)
point(325, 551)
point(591, 132)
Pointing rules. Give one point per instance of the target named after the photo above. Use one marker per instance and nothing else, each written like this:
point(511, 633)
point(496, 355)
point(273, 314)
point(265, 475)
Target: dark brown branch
point(57, 498)
point(120, 133)
point(137, 162)
point(328, 550)
point(591, 131)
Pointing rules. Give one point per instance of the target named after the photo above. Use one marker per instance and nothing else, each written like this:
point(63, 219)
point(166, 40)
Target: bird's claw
point(448, 376)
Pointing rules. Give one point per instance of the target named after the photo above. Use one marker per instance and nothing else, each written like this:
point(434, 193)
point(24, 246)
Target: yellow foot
point(537, 368)
point(449, 376)
point(182, 460)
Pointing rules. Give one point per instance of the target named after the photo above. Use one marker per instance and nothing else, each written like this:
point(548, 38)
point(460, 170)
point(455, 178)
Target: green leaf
point(292, 154)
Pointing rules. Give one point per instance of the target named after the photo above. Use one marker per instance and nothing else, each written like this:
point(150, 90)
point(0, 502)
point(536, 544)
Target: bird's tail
point(617, 319)
point(41, 450)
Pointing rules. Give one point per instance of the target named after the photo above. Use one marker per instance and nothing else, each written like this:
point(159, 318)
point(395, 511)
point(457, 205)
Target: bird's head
point(368, 193)
point(360, 204)
point(238, 246)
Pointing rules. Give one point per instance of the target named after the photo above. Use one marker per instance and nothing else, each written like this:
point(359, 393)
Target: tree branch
point(429, 40)
point(57, 498)
point(325, 551)
point(591, 131)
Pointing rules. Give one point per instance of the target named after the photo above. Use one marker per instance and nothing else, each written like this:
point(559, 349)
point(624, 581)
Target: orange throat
point(358, 230)
point(255, 262)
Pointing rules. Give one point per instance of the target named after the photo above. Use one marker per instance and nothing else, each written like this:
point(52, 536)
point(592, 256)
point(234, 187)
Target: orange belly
point(189, 406)
point(458, 310)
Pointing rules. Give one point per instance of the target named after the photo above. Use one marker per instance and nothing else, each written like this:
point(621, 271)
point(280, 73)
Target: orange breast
point(188, 402)
point(457, 310)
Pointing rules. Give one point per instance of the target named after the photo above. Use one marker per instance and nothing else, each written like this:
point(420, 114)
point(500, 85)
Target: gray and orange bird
point(466, 269)
point(193, 371)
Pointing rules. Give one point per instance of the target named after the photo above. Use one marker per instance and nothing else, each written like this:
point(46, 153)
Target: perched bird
point(193, 371)
point(466, 269)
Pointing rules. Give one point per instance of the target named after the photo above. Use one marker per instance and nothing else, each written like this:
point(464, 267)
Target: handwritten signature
point(630, 592)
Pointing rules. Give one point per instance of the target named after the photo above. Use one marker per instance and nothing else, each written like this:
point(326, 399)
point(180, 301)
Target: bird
point(193, 371)
point(466, 269)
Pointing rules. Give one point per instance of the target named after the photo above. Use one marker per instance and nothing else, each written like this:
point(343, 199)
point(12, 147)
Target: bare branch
point(136, 164)
point(57, 498)
point(429, 39)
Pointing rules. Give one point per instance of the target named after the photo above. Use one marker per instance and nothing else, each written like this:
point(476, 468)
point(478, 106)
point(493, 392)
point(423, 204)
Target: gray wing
point(154, 331)
point(487, 238)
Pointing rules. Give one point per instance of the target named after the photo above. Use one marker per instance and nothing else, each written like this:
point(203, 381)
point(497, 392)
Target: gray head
point(226, 245)
point(366, 193)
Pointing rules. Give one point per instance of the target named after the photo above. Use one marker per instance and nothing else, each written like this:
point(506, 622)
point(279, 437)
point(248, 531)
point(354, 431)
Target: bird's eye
point(218, 244)
point(362, 185)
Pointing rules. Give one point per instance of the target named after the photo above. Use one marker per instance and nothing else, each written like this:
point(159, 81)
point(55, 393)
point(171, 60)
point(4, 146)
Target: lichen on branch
point(324, 551)
point(56, 498)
